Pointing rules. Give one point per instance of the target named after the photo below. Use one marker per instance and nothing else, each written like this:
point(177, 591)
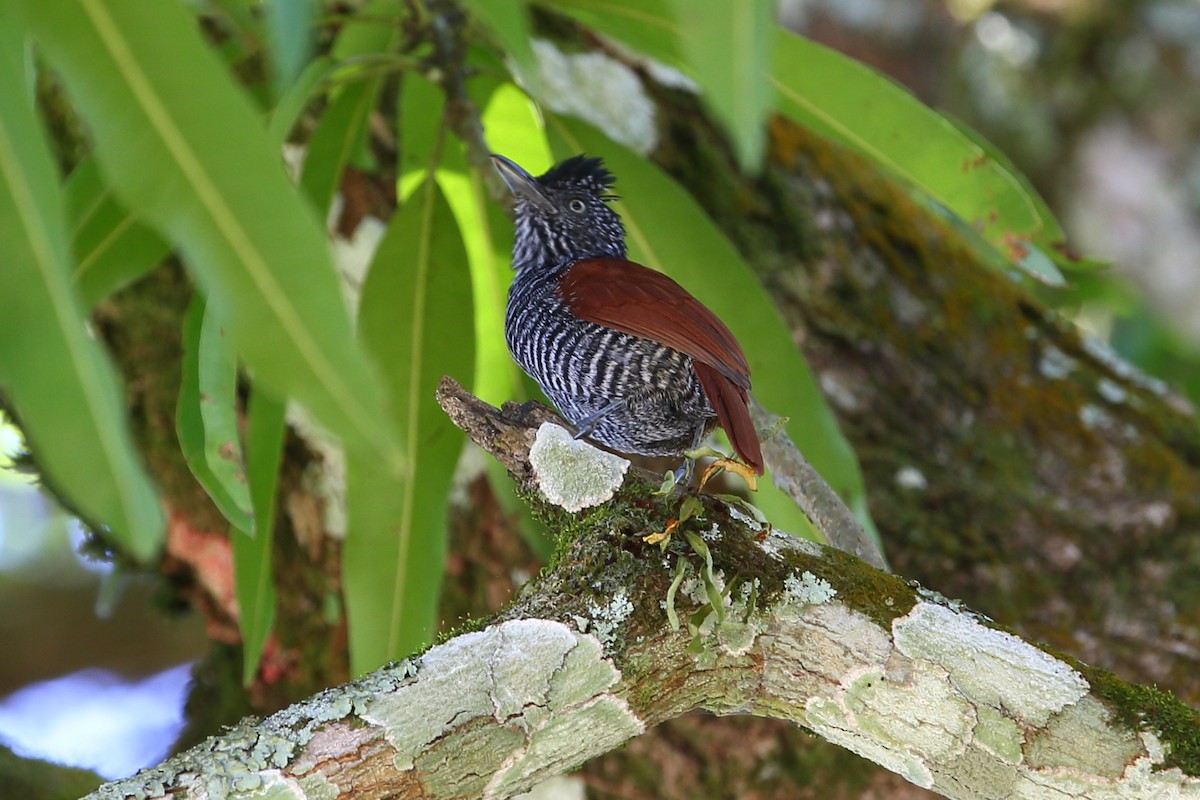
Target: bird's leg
point(683, 475)
point(588, 423)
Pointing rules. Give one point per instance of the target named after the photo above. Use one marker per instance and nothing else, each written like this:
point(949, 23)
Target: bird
point(628, 356)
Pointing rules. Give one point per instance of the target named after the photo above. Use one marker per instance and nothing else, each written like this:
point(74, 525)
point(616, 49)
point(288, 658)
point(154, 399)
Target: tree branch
point(820, 503)
point(587, 657)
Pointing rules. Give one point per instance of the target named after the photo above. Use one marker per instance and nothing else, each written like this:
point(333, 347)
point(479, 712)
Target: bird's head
point(563, 215)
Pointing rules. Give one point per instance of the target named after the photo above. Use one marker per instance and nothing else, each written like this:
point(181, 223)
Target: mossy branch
point(586, 659)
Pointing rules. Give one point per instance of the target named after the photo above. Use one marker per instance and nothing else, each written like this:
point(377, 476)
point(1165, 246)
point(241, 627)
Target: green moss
point(1147, 708)
point(597, 552)
point(631, 509)
point(464, 626)
point(881, 596)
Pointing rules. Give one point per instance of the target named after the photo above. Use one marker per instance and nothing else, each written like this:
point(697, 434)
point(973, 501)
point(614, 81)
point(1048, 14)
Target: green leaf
point(513, 126)
point(288, 27)
point(669, 232)
point(421, 124)
point(255, 585)
point(1053, 232)
point(849, 102)
point(186, 152)
point(293, 102)
point(340, 133)
point(509, 21)
point(715, 600)
point(112, 248)
point(52, 371)
point(342, 130)
point(194, 440)
point(217, 380)
point(648, 26)
point(414, 318)
point(728, 46)
point(681, 567)
point(1042, 258)
point(373, 29)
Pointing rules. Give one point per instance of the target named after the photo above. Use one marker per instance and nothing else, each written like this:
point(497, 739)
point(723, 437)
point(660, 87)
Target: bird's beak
point(522, 184)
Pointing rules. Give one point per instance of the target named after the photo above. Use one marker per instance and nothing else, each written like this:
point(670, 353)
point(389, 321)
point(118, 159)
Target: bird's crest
point(580, 169)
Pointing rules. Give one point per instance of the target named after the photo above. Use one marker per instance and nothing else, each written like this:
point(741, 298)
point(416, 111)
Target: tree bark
point(621, 635)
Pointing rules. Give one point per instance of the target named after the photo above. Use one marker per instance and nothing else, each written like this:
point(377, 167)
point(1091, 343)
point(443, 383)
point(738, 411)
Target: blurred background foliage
point(1097, 105)
point(1094, 104)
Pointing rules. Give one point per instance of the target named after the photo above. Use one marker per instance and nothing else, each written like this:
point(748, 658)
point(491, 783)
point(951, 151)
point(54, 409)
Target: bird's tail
point(732, 404)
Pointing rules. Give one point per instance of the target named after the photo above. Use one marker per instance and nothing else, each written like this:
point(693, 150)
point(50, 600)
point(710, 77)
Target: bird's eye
point(576, 205)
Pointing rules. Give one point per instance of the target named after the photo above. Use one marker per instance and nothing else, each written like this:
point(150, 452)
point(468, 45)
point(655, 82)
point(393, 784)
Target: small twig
point(507, 433)
point(462, 115)
point(799, 480)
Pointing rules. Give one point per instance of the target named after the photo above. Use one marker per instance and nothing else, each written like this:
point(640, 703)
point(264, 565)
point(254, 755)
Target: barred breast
point(583, 367)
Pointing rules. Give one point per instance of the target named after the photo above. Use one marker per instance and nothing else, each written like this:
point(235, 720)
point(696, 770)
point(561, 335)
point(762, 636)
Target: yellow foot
point(723, 464)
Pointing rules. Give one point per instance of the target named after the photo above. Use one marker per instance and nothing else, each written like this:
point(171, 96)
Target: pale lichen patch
point(585, 671)
point(808, 589)
point(244, 758)
point(1082, 737)
point(606, 619)
point(829, 719)
point(317, 787)
point(737, 638)
point(924, 715)
point(989, 667)
point(604, 723)
point(811, 648)
point(541, 681)
point(573, 474)
point(514, 685)
point(452, 681)
point(1141, 779)
point(998, 735)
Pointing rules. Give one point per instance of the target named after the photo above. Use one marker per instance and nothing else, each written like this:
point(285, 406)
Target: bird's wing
point(637, 300)
point(633, 299)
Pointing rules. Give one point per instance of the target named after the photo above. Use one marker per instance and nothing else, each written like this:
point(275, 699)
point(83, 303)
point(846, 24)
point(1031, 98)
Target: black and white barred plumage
point(628, 393)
